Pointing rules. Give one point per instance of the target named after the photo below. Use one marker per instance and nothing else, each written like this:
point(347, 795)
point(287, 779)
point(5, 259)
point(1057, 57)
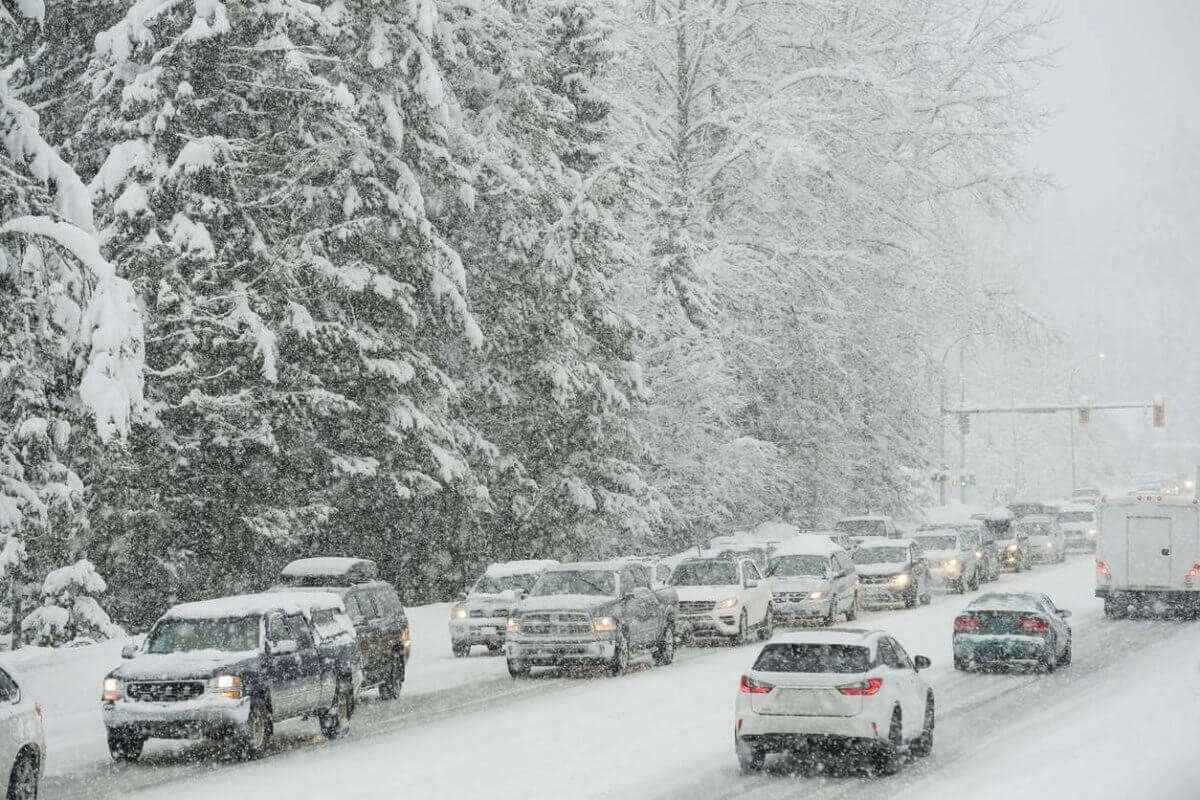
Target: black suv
point(230, 668)
point(374, 607)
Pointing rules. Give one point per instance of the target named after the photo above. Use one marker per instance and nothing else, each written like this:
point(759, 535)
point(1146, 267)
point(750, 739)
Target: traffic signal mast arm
point(1158, 409)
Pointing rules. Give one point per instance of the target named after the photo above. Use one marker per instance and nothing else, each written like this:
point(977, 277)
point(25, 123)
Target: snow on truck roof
point(503, 569)
point(252, 605)
point(331, 566)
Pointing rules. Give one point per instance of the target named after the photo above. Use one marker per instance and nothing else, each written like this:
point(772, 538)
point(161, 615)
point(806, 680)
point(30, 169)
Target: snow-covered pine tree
point(69, 610)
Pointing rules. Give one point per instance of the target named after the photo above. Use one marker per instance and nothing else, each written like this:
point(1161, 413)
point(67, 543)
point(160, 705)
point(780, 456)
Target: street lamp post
point(1071, 399)
point(962, 448)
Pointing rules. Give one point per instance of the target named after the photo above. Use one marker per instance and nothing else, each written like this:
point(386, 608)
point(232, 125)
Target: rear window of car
point(813, 658)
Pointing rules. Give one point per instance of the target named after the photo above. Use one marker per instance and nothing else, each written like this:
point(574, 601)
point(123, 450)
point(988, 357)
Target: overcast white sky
point(1112, 254)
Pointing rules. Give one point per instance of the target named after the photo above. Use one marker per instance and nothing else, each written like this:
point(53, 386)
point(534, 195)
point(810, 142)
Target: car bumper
point(712, 625)
point(800, 610)
point(982, 648)
point(882, 594)
point(479, 631)
point(555, 652)
point(944, 576)
point(797, 728)
point(204, 716)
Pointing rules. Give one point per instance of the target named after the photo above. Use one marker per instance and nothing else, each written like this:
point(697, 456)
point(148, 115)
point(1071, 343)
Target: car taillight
point(965, 623)
point(1192, 573)
point(41, 715)
point(1102, 571)
point(1030, 625)
point(868, 687)
point(751, 686)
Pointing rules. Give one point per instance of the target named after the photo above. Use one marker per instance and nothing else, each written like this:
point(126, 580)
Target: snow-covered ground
point(1112, 722)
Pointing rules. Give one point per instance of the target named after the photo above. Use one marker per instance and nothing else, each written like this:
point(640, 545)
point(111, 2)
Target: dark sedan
point(1012, 628)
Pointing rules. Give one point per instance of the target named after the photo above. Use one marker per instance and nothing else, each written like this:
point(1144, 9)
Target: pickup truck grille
point(792, 597)
point(874, 578)
point(696, 606)
point(556, 624)
point(164, 691)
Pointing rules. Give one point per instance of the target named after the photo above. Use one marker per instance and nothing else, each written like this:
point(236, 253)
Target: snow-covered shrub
point(69, 612)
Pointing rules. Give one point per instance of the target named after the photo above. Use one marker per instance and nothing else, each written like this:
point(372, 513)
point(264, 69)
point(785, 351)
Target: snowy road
point(666, 733)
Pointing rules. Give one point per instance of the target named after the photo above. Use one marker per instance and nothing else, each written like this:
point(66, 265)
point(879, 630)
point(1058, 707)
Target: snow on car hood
point(507, 599)
point(564, 602)
point(175, 666)
point(881, 569)
point(799, 583)
point(718, 592)
point(940, 555)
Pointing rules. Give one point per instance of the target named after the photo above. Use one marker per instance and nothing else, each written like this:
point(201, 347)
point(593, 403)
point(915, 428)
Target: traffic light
point(1085, 415)
point(1159, 415)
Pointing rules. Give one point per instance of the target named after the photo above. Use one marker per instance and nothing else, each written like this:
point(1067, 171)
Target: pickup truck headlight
point(903, 579)
point(226, 685)
point(112, 690)
point(604, 624)
point(458, 612)
point(728, 602)
point(514, 626)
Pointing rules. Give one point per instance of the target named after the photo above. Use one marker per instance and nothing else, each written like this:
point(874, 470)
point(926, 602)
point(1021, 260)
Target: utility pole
point(1071, 399)
point(962, 431)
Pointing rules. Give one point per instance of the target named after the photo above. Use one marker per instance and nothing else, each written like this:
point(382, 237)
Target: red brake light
point(965, 623)
point(868, 687)
point(751, 686)
point(38, 707)
point(1030, 625)
point(1192, 573)
point(1102, 570)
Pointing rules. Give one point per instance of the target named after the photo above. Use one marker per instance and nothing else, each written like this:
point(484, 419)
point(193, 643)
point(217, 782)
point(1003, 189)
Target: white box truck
point(1148, 552)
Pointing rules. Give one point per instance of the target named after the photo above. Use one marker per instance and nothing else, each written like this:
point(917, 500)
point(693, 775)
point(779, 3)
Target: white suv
point(722, 597)
point(834, 694)
point(22, 741)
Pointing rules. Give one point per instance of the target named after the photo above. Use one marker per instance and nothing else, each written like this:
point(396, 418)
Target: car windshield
point(576, 581)
point(232, 635)
point(862, 527)
point(794, 566)
point(880, 555)
point(1032, 529)
point(813, 658)
point(705, 573)
point(938, 542)
point(494, 584)
point(1077, 516)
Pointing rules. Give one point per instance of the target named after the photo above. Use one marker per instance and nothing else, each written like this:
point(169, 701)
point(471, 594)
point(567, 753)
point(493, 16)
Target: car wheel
point(960, 585)
point(125, 745)
point(252, 741)
point(1114, 609)
point(1049, 661)
point(743, 634)
point(750, 758)
point(664, 651)
point(518, 669)
point(23, 780)
point(924, 745)
point(887, 756)
point(1065, 659)
point(768, 624)
point(852, 611)
point(620, 660)
point(832, 615)
point(910, 599)
point(335, 723)
point(390, 688)
point(461, 650)
point(961, 664)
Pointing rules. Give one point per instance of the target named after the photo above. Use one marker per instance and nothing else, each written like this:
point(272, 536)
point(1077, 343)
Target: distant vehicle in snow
point(481, 615)
point(374, 607)
point(977, 536)
point(1044, 540)
point(1078, 524)
point(22, 739)
point(812, 578)
point(859, 528)
point(1148, 552)
point(1012, 627)
point(891, 571)
point(230, 668)
point(840, 693)
point(599, 612)
point(955, 558)
point(722, 598)
point(1086, 494)
point(736, 547)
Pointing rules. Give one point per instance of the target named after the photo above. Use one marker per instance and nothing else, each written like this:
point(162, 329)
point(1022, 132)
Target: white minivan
point(1148, 551)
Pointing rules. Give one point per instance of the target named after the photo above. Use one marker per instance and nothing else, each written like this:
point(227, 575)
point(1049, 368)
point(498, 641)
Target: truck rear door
point(1150, 554)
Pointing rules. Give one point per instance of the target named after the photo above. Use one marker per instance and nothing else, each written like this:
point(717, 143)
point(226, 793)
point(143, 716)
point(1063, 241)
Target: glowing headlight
point(226, 685)
point(728, 602)
point(458, 612)
point(1091, 531)
point(816, 596)
point(954, 565)
point(514, 626)
point(1012, 548)
point(112, 690)
point(979, 554)
point(1049, 544)
point(902, 579)
point(604, 624)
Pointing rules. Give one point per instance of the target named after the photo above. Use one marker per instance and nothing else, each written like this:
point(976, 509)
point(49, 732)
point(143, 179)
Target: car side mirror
point(1064, 613)
point(750, 583)
point(129, 651)
point(286, 647)
point(921, 662)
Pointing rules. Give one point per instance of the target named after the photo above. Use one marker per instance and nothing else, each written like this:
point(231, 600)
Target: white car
point(1045, 541)
point(1078, 524)
point(891, 572)
point(481, 615)
point(722, 598)
point(812, 578)
point(22, 741)
point(834, 694)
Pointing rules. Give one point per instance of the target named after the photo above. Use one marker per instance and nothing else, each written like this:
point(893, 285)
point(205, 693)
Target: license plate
point(489, 630)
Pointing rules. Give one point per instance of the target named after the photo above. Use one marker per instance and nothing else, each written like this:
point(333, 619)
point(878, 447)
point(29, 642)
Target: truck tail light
point(1190, 578)
point(1103, 573)
point(751, 686)
point(868, 687)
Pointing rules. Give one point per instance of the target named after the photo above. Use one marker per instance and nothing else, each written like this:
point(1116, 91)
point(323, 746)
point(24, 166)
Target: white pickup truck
point(1148, 551)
